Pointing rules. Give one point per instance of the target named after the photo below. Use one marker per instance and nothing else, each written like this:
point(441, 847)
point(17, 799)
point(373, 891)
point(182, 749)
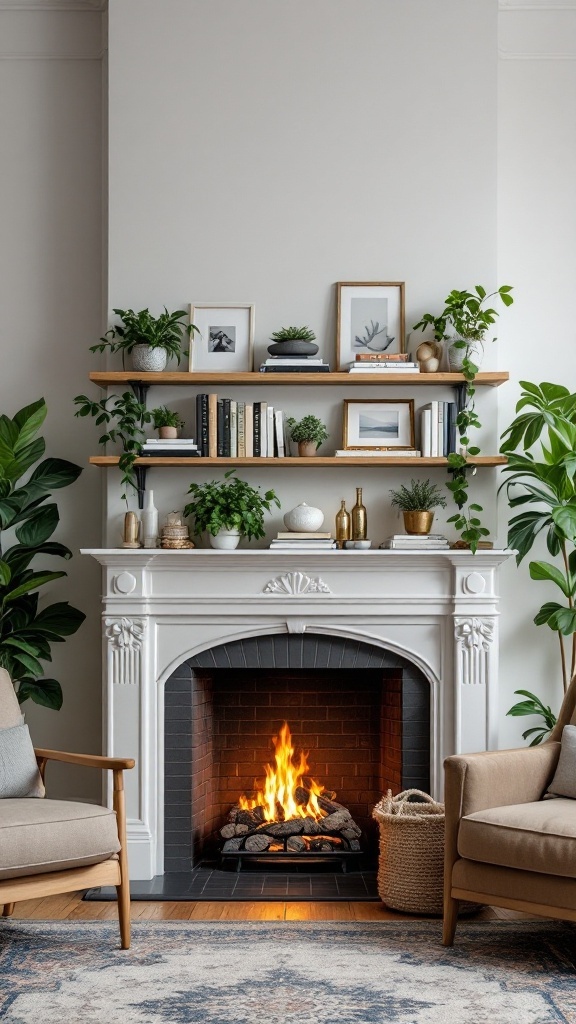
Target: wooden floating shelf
point(105, 461)
point(111, 378)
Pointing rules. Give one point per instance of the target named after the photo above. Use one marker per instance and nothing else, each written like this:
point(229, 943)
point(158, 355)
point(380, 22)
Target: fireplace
point(168, 616)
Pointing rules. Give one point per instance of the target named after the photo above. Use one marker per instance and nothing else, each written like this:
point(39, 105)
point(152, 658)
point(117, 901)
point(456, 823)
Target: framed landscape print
point(370, 318)
point(378, 424)
point(225, 342)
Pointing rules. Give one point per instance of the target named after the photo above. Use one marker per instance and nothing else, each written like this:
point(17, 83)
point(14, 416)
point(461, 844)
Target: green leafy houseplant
point(127, 417)
point(229, 504)
point(293, 334)
point(420, 496)
point(466, 314)
point(141, 328)
point(164, 417)
point(540, 445)
point(309, 430)
point(27, 633)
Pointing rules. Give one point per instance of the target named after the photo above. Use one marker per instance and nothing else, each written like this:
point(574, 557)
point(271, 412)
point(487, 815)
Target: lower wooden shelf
point(104, 461)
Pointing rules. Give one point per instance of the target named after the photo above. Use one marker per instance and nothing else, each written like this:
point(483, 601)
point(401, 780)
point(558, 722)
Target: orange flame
point(278, 797)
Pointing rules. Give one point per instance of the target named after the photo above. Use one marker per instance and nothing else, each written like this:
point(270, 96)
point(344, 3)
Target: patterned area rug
point(283, 973)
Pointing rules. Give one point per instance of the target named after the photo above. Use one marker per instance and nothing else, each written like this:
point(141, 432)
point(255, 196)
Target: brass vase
point(419, 523)
point(342, 525)
point(359, 518)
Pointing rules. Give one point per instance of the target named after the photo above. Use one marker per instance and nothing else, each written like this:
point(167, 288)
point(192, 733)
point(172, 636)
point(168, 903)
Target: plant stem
point(570, 605)
point(563, 659)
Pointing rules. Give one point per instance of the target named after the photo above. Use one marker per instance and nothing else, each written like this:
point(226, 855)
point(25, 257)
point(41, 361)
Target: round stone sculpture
point(304, 519)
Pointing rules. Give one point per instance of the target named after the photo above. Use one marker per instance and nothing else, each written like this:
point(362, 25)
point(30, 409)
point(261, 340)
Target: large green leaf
point(565, 520)
point(8, 433)
point(39, 526)
point(60, 618)
point(47, 692)
point(36, 580)
point(545, 571)
point(523, 530)
point(29, 455)
point(20, 556)
point(29, 420)
point(54, 473)
point(5, 573)
point(30, 663)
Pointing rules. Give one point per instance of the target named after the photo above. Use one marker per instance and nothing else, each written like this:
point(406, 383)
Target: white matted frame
point(378, 424)
point(224, 342)
point(370, 318)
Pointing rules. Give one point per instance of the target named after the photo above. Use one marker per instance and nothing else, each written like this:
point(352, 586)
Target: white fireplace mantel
point(439, 610)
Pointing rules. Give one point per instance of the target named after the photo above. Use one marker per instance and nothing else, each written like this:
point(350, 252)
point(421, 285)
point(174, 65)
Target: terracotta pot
point(167, 432)
point(418, 522)
point(306, 449)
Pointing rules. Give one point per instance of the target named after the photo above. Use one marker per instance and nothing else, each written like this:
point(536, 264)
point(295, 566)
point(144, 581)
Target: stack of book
point(239, 430)
point(303, 542)
point(180, 447)
point(380, 363)
point(294, 364)
point(416, 542)
point(438, 429)
point(373, 453)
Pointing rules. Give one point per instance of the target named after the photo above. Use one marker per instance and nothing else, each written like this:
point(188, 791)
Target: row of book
point(438, 429)
point(288, 541)
point(294, 364)
point(416, 542)
point(226, 428)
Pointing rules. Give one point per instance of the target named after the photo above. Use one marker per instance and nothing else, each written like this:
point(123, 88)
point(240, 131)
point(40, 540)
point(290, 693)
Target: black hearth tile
point(323, 652)
point(281, 656)
point(221, 656)
point(177, 864)
point(176, 712)
point(177, 728)
point(251, 649)
point(350, 654)
point(236, 655)
point(178, 684)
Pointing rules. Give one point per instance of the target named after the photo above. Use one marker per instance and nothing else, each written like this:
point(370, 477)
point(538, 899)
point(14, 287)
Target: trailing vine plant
point(127, 416)
point(468, 319)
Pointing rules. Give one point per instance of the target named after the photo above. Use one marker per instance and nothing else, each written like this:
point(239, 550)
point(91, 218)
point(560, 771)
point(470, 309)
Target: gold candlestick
point(359, 518)
point(342, 525)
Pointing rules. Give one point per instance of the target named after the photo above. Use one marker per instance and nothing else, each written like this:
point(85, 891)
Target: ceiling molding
point(536, 5)
point(54, 5)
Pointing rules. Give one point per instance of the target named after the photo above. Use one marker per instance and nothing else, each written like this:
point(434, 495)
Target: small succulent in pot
point(293, 341)
point(229, 509)
point(417, 502)
point(166, 421)
point(309, 434)
point(151, 340)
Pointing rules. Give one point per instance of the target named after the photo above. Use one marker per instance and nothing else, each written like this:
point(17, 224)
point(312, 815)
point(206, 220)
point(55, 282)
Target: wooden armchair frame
point(108, 872)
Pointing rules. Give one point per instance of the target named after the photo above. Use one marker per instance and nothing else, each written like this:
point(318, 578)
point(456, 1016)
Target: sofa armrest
point(85, 760)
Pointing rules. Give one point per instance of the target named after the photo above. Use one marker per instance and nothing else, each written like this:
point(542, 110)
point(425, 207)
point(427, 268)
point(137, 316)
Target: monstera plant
point(27, 522)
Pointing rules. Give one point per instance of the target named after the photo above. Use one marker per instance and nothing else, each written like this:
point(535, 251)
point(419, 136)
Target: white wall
point(50, 296)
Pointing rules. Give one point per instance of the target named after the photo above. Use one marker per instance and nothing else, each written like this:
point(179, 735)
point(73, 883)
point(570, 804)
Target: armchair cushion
point(539, 836)
point(10, 714)
point(38, 836)
point(19, 775)
point(564, 781)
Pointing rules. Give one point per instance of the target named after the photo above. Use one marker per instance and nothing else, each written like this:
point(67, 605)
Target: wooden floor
point(71, 907)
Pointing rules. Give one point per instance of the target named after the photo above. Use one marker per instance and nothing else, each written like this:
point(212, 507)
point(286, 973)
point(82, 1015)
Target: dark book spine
point(257, 428)
point(226, 428)
point(451, 427)
point(446, 429)
point(203, 435)
point(220, 429)
point(295, 369)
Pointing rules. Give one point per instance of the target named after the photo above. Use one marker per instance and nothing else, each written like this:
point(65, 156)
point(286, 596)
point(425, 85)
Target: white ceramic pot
point(225, 540)
point(304, 519)
point(149, 359)
point(474, 350)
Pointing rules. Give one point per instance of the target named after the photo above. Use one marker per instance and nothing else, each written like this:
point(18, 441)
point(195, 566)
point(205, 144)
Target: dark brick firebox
point(362, 712)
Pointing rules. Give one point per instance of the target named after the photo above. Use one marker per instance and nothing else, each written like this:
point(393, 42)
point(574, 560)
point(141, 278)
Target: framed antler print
point(370, 320)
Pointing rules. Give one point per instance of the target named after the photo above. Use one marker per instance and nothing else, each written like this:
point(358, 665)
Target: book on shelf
point(416, 541)
point(233, 429)
point(382, 357)
point(241, 430)
point(220, 428)
point(270, 424)
point(279, 424)
point(293, 361)
point(169, 442)
point(263, 430)
point(400, 453)
point(383, 367)
point(302, 546)
point(257, 428)
point(249, 430)
point(171, 453)
point(295, 368)
point(438, 429)
point(213, 426)
point(288, 535)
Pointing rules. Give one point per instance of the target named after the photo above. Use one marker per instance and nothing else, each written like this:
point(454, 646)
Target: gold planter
point(418, 522)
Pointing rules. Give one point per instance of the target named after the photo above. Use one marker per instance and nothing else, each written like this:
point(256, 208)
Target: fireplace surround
point(433, 614)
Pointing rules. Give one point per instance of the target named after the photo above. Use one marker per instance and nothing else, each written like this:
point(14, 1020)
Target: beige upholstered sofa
point(55, 846)
point(505, 845)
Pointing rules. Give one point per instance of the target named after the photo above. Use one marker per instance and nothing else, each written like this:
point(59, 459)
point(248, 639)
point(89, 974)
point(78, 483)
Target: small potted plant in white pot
point(463, 323)
point(167, 422)
point(309, 433)
point(150, 340)
point(228, 510)
point(417, 503)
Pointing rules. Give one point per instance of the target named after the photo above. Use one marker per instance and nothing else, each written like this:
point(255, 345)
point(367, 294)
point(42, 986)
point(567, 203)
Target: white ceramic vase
point(149, 359)
point(474, 350)
point(149, 522)
point(225, 540)
point(304, 519)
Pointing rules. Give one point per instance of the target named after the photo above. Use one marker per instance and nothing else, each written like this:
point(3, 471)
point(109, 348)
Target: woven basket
point(411, 864)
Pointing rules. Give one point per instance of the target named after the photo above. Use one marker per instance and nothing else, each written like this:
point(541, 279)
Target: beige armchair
point(504, 844)
point(55, 846)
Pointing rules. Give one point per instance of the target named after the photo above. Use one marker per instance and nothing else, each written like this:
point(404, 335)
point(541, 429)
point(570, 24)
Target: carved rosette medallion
point(125, 638)
point(474, 638)
point(296, 583)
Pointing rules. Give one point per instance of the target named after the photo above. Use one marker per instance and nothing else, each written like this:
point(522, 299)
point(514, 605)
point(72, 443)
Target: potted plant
point(127, 417)
point(150, 340)
point(228, 510)
point(540, 445)
point(467, 320)
point(166, 422)
point(416, 504)
point(293, 341)
point(309, 434)
point(28, 520)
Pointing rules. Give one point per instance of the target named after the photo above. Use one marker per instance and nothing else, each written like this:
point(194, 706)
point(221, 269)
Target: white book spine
point(263, 429)
point(434, 429)
point(426, 443)
point(270, 431)
point(279, 430)
point(440, 428)
point(233, 430)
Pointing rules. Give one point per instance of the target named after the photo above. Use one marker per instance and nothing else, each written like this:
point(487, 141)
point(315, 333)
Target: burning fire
point(278, 798)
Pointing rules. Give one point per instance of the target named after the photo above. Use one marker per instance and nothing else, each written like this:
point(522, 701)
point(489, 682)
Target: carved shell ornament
point(296, 583)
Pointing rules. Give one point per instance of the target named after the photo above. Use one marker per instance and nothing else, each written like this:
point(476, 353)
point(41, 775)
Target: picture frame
point(225, 342)
point(370, 317)
point(378, 424)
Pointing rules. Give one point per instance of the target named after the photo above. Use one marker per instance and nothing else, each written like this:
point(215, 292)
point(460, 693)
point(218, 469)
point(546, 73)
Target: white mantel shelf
point(438, 609)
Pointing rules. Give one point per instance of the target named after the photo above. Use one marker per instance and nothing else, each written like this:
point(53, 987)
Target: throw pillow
point(19, 775)
point(564, 781)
